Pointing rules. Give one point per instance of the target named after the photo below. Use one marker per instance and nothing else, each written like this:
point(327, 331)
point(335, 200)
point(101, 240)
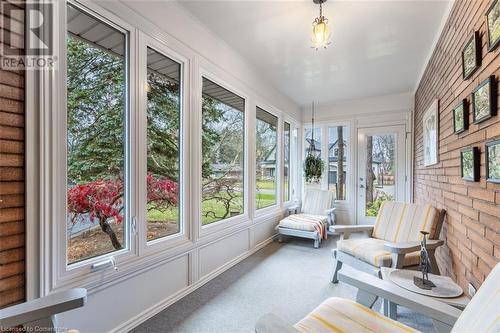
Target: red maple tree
point(102, 200)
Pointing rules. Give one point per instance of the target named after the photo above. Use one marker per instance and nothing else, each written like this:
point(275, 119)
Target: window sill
point(223, 226)
point(267, 211)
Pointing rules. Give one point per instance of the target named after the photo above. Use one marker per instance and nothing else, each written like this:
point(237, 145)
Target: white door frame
point(401, 191)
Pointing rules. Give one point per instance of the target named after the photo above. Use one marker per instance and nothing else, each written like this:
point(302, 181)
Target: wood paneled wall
point(12, 171)
point(472, 223)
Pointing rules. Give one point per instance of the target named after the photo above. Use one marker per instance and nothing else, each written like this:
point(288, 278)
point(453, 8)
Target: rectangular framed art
point(469, 164)
point(493, 25)
point(461, 117)
point(471, 55)
point(484, 100)
point(493, 161)
point(430, 124)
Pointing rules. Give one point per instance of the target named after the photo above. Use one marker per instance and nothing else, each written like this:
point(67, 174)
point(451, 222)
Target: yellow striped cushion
point(402, 222)
point(482, 314)
point(372, 251)
point(343, 315)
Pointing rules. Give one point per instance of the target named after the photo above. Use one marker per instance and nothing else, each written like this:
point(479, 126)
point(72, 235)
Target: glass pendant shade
point(320, 34)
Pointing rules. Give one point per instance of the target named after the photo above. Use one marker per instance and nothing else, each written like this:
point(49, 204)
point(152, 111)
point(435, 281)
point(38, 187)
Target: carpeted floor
point(289, 279)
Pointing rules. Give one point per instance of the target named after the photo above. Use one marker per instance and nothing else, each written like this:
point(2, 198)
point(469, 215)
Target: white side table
point(390, 308)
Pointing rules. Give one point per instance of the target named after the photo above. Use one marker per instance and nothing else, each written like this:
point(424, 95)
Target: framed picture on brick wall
point(493, 25)
point(471, 55)
point(484, 100)
point(493, 161)
point(430, 124)
point(469, 164)
point(461, 117)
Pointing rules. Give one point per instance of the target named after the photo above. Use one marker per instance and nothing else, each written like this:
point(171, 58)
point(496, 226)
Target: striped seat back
point(317, 201)
point(402, 222)
point(482, 314)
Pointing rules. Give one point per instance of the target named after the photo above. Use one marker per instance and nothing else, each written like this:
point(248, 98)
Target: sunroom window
point(163, 145)
point(97, 174)
point(266, 148)
point(338, 161)
point(223, 140)
point(286, 161)
point(312, 145)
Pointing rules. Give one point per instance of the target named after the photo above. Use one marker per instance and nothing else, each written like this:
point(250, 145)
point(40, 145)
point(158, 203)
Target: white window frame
point(296, 164)
point(290, 163)
point(348, 170)
point(239, 220)
point(183, 237)
point(46, 219)
point(278, 173)
point(66, 274)
point(325, 139)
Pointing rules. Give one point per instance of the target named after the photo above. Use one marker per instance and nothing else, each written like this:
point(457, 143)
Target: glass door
point(381, 169)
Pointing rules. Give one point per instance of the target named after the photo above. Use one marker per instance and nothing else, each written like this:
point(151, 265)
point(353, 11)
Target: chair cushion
point(372, 251)
point(402, 222)
point(343, 315)
point(316, 202)
point(306, 222)
point(482, 313)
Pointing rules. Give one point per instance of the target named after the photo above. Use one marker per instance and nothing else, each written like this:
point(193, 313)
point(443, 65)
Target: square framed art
point(493, 25)
point(493, 161)
point(471, 55)
point(461, 117)
point(484, 100)
point(469, 164)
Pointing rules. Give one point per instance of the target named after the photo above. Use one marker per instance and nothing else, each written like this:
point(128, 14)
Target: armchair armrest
point(271, 323)
point(43, 307)
point(408, 247)
point(330, 214)
point(350, 228)
point(346, 230)
point(437, 310)
point(330, 210)
point(293, 209)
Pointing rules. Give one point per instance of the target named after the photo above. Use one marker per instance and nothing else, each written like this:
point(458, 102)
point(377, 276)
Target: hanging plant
point(313, 168)
point(313, 165)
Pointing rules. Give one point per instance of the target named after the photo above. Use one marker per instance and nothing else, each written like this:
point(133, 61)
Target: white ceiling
point(378, 47)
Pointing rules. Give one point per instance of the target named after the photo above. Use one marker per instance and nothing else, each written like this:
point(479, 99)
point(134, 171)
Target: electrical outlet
point(472, 290)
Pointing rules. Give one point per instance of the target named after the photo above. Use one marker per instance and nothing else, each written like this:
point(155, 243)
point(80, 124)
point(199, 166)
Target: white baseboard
point(162, 305)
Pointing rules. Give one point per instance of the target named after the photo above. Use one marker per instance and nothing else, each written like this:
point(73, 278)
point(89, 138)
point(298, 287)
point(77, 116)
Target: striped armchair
point(313, 221)
point(394, 240)
point(482, 314)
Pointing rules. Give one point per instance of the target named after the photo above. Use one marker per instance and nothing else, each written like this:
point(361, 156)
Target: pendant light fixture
point(320, 31)
point(312, 146)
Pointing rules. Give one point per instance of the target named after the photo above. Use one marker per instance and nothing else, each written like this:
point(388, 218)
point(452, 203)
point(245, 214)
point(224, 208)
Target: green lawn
point(171, 214)
point(265, 200)
point(266, 185)
point(216, 207)
point(262, 200)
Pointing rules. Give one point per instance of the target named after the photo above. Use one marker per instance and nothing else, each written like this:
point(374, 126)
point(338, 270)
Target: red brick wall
point(472, 224)
point(11, 172)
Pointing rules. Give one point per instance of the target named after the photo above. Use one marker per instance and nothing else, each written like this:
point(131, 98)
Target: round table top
point(445, 287)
